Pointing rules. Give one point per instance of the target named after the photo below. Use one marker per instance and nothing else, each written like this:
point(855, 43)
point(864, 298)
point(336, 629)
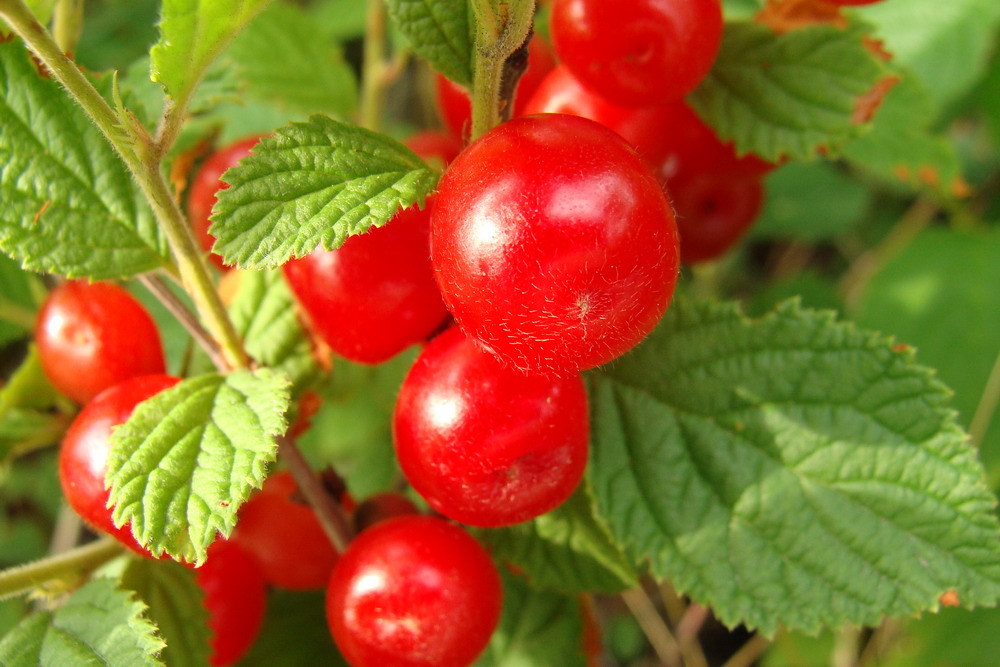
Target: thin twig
point(879, 642)
point(373, 66)
point(652, 624)
point(687, 635)
point(987, 405)
point(749, 652)
point(66, 533)
point(672, 602)
point(21, 579)
point(180, 311)
point(845, 647)
point(328, 511)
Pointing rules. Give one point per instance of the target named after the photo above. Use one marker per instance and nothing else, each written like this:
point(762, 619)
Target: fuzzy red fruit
point(374, 296)
point(553, 244)
point(93, 336)
point(413, 592)
point(235, 597)
point(484, 444)
point(713, 213)
point(83, 457)
point(284, 536)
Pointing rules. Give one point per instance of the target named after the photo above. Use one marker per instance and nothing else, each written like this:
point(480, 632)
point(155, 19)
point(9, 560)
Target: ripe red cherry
point(553, 244)
point(375, 295)
point(413, 592)
point(485, 444)
point(201, 194)
point(284, 536)
point(235, 597)
point(638, 52)
point(92, 336)
point(713, 213)
point(83, 457)
point(453, 100)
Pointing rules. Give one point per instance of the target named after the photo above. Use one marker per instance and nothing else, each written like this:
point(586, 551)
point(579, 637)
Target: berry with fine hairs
point(204, 186)
point(485, 444)
point(83, 456)
point(235, 597)
point(553, 244)
point(93, 336)
point(638, 52)
point(374, 296)
point(413, 592)
point(282, 533)
point(713, 213)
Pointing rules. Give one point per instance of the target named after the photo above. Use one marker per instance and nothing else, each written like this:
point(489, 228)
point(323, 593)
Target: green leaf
point(536, 629)
point(264, 313)
point(69, 205)
point(948, 45)
point(567, 550)
point(187, 458)
point(787, 95)
point(145, 98)
point(285, 57)
point(811, 202)
point(940, 294)
point(791, 470)
point(15, 289)
point(192, 34)
point(340, 20)
point(900, 146)
point(28, 386)
point(301, 615)
point(439, 32)
point(98, 625)
point(175, 606)
point(313, 184)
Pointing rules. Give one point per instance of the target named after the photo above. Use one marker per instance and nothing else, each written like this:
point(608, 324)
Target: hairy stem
point(328, 511)
point(373, 69)
point(180, 311)
point(79, 561)
point(141, 157)
point(67, 24)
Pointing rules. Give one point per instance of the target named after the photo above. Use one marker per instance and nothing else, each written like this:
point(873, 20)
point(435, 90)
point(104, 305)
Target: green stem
point(499, 34)
point(17, 314)
point(373, 71)
point(141, 156)
point(79, 561)
point(67, 24)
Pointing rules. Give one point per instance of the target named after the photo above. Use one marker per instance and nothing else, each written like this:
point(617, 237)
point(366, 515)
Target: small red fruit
point(235, 597)
point(284, 536)
point(713, 213)
point(374, 296)
point(413, 592)
point(83, 457)
point(92, 336)
point(638, 52)
point(207, 182)
point(553, 244)
point(484, 444)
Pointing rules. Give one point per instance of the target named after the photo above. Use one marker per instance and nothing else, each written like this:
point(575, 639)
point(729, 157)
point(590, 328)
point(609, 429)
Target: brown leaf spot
point(866, 105)
point(929, 176)
point(783, 16)
point(949, 598)
point(42, 210)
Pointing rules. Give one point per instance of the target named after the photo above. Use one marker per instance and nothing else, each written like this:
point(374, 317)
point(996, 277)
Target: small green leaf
point(264, 314)
point(439, 32)
point(284, 57)
point(69, 204)
point(192, 34)
point(536, 629)
point(313, 184)
point(901, 146)
point(787, 95)
point(791, 470)
point(175, 605)
point(98, 625)
point(567, 550)
point(187, 458)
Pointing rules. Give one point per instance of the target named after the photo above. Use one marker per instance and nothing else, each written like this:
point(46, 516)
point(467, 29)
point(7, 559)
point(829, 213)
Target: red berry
point(553, 244)
point(201, 194)
point(83, 457)
point(453, 100)
point(413, 592)
point(284, 536)
point(713, 213)
point(375, 295)
point(638, 52)
point(235, 597)
point(92, 336)
point(434, 145)
point(380, 507)
point(484, 444)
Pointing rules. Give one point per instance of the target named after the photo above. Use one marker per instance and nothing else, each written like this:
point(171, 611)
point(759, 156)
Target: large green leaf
point(790, 94)
point(69, 204)
point(98, 625)
point(439, 32)
point(187, 458)
point(791, 470)
point(313, 184)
